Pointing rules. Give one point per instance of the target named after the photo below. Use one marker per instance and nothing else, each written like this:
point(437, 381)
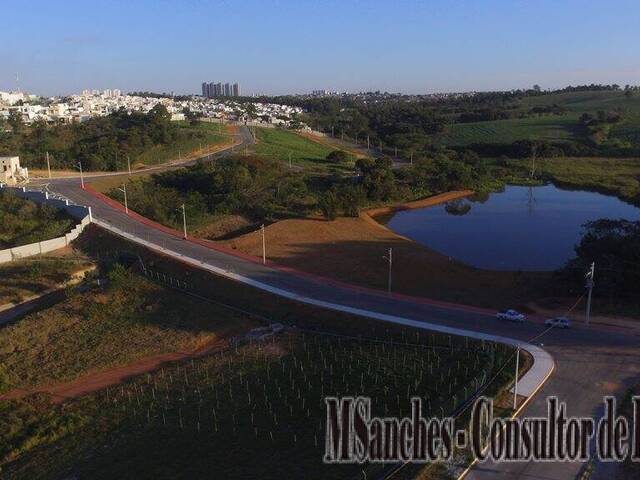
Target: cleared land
point(351, 250)
point(277, 143)
point(263, 401)
point(24, 221)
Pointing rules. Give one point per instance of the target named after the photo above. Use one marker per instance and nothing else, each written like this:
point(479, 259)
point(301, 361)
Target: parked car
point(558, 322)
point(511, 315)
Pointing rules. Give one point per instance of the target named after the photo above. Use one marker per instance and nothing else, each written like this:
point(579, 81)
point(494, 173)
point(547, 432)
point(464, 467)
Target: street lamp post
point(48, 166)
point(590, 275)
point(124, 190)
point(81, 176)
point(389, 258)
point(264, 246)
point(129, 164)
point(184, 220)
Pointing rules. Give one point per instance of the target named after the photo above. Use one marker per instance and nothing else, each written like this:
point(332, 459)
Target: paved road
point(590, 362)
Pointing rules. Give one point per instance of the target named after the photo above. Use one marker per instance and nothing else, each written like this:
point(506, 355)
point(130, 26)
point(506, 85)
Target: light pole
point(184, 221)
point(590, 274)
point(81, 177)
point(264, 247)
point(129, 164)
point(390, 260)
point(515, 385)
point(48, 166)
point(124, 190)
point(290, 165)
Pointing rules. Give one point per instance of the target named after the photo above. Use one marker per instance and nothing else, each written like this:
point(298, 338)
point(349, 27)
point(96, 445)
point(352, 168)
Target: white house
point(11, 172)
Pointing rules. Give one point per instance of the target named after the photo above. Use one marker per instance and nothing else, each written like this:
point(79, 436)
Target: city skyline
point(355, 46)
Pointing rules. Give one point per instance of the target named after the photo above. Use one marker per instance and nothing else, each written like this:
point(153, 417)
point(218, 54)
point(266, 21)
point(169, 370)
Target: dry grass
point(351, 250)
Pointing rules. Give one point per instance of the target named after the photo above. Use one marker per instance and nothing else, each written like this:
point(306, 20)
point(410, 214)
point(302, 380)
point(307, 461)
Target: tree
point(329, 204)
point(15, 121)
point(338, 156)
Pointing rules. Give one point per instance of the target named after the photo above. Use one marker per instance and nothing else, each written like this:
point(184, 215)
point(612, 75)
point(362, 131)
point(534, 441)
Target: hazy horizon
point(278, 47)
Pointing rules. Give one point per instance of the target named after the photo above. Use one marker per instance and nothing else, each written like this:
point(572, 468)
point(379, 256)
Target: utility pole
point(81, 177)
point(264, 248)
point(184, 221)
point(332, 135)
point(129, 164)
point(48, 166)
point(515, 385)
point(590, 274)
point(367, 142)
point(390, 260)
point(124, 190)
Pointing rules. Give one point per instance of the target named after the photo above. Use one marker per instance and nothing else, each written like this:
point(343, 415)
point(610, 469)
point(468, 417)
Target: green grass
point(614, 176)
point(192, 137)
point(550, 128)
point(105, 327)
point(24, 221)
point(278, 144)
point(27, 277)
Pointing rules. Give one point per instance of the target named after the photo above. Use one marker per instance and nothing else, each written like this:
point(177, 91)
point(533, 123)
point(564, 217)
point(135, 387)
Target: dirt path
point(95, 381)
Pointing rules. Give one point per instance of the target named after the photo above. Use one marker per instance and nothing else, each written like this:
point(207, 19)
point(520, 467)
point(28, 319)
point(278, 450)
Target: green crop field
point(550, 128)
point(280, 144)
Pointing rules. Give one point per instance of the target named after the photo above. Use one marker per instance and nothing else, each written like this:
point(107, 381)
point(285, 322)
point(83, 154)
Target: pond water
point(522, 228)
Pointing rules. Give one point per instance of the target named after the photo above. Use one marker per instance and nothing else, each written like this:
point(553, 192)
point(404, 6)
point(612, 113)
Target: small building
point(11, 172)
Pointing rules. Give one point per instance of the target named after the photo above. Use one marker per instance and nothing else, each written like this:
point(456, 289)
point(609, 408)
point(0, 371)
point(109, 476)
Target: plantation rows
point(267, 397)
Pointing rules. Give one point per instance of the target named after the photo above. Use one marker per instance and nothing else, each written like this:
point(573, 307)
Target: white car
point(558, 322)
point(511, 315)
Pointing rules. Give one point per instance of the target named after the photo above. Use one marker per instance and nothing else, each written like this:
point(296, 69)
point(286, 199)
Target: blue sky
point(268, 46)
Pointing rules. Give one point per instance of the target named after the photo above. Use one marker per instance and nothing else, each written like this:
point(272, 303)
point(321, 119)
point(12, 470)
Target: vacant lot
point(129, 319)
point(352, 250)
point(27, 277)
point(279, 144)
point(263, 401)
point(24, 221)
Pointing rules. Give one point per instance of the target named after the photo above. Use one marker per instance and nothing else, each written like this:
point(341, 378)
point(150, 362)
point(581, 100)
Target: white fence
point(78, 212)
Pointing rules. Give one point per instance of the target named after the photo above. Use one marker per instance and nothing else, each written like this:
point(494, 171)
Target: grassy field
point(207, 415)
point(551, 128)
point(24, 221)
point(278, 143)
point(106, 327)
point(207, 135)
point(27, 277)
point(614, 176)
point(263, 401)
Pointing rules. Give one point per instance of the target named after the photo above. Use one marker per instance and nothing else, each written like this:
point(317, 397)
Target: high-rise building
point(212, 90)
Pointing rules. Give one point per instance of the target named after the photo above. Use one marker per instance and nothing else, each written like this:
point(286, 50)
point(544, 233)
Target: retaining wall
point(76, 211)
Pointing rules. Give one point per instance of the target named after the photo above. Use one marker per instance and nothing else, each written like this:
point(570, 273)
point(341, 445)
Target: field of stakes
point(255, 410)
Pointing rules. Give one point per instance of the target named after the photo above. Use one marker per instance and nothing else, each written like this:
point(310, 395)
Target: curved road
point(590, 362)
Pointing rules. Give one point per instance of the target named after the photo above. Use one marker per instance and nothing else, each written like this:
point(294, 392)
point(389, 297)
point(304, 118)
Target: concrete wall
point(83, 214)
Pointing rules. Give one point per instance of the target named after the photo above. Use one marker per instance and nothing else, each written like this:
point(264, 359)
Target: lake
point(522, 228)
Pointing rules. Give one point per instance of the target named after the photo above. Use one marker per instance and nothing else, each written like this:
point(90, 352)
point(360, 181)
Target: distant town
point(96, 103)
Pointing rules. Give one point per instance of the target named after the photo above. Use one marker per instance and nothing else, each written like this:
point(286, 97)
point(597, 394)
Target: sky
point(295, 46)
